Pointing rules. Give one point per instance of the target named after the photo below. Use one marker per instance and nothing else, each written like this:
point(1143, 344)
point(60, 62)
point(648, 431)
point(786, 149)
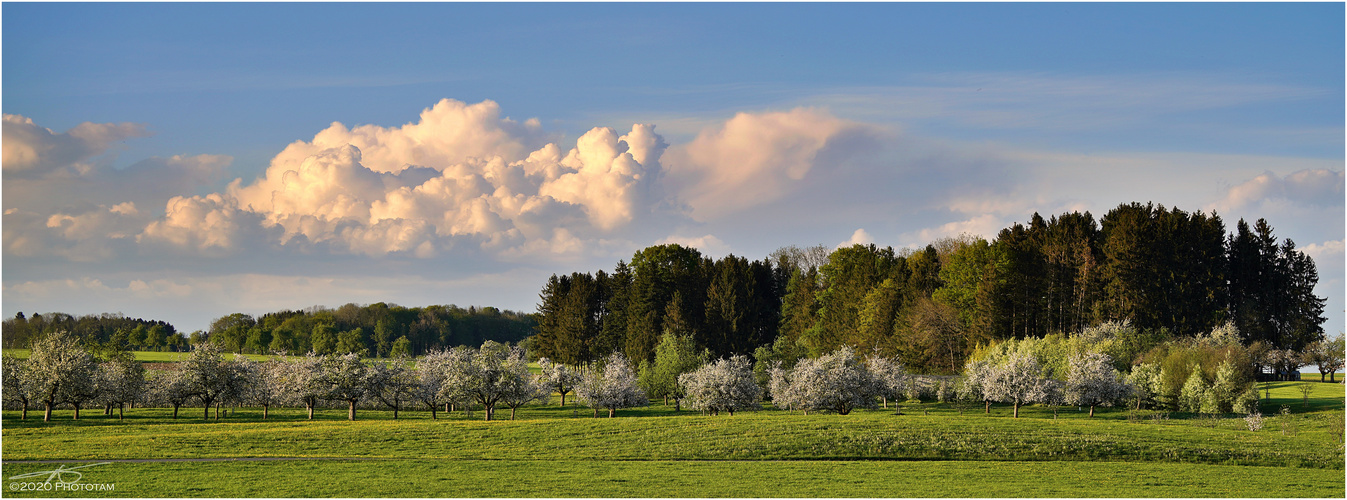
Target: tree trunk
point(563, 398)
point(46, 416)
point(264, 411)
point(77, 412)
point(350, 415)
point(512, 409)
point(596, 413)
point(885, 399)
point(1091, 411)
point(310, 407)
point(678, 405)
point(666, 400)
point(395, 412)
point(175, 412)
point(611, 411)
point(217, 410)
point(25, 412)
point(432, 411)
point(1017, 410)
point(987, 409)
point(121, 415)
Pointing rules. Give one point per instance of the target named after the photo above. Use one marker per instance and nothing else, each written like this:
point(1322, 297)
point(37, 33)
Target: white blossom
point(1091, 381)
point(560, 378)
point(63, 372)
point(613, 387)
point(838, 382)
point(726, 384)
point(1018, 380)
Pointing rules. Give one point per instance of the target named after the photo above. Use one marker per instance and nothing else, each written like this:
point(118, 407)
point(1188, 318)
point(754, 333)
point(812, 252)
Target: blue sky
point(774, 124)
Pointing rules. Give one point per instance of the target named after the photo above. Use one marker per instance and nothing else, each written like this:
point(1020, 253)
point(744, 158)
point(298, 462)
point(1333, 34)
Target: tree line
point(1167, 271)
point(379, 330)
point(95, 329)
point(62, 372)
point(1212, 373)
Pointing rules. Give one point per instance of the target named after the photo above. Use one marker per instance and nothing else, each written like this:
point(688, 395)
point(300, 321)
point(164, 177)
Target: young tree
point(431, 372)
point(889, 376)
point(838, 382)
point(63, 371)
point(265, 385)
point(123, 380)
point(170, 388)
point(612, 387)
point(207, 375)
point(519, 387)
point(299, 378)
point(560, 378)
point(973, 384)
point(1145, 383)
point(392, 383)
point(18, 384)
point(1193, 392)
point(343, 379)
point(674, 355)
point(1017, 380)
point(726, 384)
point(780, 388)
point(1092, 381)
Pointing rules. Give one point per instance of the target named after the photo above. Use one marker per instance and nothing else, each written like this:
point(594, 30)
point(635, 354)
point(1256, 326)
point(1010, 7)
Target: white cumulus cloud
point(33, 150)
point(1312, 187)
point(753, 158)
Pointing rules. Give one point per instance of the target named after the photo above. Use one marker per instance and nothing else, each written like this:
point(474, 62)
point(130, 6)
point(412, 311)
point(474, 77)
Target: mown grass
point(919, 453)
point(607, 478)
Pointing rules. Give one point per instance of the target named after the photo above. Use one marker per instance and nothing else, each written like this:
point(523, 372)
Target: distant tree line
point(1167, 271)
point(105, 329)
point(376, 330)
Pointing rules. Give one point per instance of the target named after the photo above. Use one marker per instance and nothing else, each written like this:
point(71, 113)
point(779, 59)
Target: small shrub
point(1288, 422)
point(1254, 421)
point(1305, 389)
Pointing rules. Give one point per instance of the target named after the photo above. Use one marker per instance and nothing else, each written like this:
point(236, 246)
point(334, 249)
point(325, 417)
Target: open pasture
point(929, 450)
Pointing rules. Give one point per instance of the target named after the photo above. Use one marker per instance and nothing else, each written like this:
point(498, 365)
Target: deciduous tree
point(1092, 381)
point(63, 371)
point(613, 386)
point(726, 384)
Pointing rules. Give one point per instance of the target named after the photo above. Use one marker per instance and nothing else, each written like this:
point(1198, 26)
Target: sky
point(187, 161)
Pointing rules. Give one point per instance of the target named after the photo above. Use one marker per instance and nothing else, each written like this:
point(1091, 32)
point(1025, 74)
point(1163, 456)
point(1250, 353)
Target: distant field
point(551, 451)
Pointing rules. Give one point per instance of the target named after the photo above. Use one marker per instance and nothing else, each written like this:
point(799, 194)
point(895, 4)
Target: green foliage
point(1194, 392)
point(674, 355)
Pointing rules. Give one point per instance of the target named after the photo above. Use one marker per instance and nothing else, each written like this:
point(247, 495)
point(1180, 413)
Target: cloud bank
point(461, 178)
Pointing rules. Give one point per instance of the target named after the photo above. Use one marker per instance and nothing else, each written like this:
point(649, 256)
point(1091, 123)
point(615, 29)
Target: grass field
point(930, 450)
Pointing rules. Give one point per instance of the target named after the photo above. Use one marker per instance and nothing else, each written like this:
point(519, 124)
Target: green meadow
point(929, 450)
